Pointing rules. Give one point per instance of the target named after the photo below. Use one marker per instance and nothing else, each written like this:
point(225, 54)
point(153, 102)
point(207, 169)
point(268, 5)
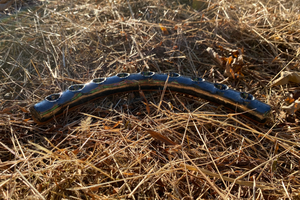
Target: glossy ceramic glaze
point(78, 94)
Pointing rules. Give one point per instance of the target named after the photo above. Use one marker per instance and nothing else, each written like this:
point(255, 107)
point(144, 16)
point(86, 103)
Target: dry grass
point(116, 148)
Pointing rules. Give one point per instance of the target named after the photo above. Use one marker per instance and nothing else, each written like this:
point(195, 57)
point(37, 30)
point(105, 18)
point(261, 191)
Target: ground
point(149, 145)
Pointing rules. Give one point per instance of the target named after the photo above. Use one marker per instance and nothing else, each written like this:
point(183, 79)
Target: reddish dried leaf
point(138, 113)
point(95, 188)
point(160, 137)
point(276, 58)
point(117, 124)
point(235, 54)
point(30, 39)
point(276, 148)
point(223, 59)
point(144, 97)
point(221, 48)
point(23, 109)
point(76, 151)
point(6, 110)
point(123, 33)
point(289, 100)
point(240, 74)
point(116, 190)
point(238, 64)
point(229, 71)
point(128, 173)
point(229, 60)
point(107, 127)
point(291, 109)
point(164, 29)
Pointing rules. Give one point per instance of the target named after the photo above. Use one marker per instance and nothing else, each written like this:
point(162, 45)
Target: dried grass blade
point(35, 191)
point(37, 71)
point(205, 177)
point(260, 185)
point(141, 54)
point(140, 183)
point(10, 150)
point(4, 182)
point(54, 74)
point(264, 163)
point(125, 179)
point(163, 93)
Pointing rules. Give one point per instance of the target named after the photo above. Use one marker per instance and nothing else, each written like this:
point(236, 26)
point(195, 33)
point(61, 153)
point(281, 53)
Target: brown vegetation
point(170, 147)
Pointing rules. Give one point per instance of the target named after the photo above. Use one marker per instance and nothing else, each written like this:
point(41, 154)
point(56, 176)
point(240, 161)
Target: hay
point(175, 147)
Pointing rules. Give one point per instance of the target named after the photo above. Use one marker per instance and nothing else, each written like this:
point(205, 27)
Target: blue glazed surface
point(123, 82)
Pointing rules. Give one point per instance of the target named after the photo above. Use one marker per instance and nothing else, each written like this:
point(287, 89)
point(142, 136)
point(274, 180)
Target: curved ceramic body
point(76, 95)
